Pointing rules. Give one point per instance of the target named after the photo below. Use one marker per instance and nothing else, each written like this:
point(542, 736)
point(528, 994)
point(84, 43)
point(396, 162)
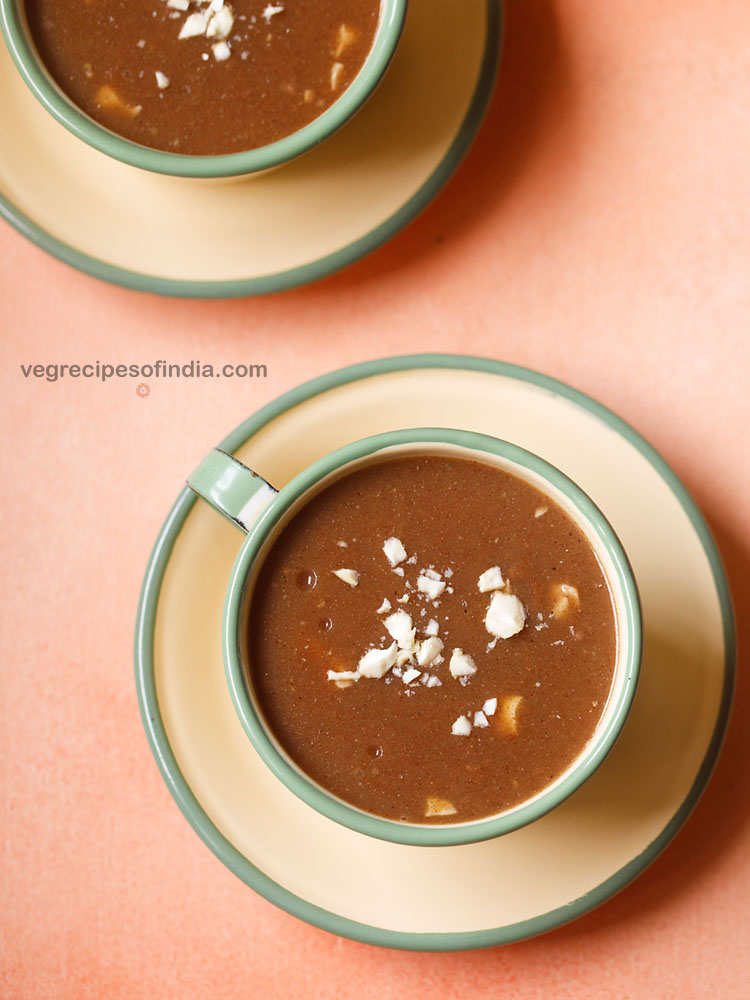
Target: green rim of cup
point(338, 810)
point(251, 161)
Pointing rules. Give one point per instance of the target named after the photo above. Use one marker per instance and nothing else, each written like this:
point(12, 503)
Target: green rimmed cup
point(252, 161)
point(248, 501)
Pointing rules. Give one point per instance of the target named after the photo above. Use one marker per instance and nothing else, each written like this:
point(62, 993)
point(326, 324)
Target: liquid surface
point(387, 745)
point(275, 70)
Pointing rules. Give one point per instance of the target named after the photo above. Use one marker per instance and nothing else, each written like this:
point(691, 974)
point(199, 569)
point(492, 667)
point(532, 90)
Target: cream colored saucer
point(525, 882)
point(265, 233)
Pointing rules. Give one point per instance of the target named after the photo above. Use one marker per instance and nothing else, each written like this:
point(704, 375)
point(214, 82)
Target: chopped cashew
point(439, 807)
point(461, 664)
point(109, 99)
point(194, 25)
point(404, 656)
point(428, 650)
point(461, 727)
point(336, 70)
point(505, 616)
point(346, 37)
point(400, 628)
point(343, 678)
point(564, 600)
point(394, 551)
point(491, 579)
point(507, 716)
point(429, 585)
point(377, 662)
point(271, 10)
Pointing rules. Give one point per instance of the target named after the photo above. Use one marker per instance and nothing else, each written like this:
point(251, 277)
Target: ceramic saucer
point(525, 882)
point(270, 232)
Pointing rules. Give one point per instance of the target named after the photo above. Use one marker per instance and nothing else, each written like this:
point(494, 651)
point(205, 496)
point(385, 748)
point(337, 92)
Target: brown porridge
point(432, 639)
point(203, 77)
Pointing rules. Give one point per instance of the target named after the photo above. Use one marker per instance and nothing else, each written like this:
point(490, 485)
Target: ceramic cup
point(26, 58)
point(261, 511)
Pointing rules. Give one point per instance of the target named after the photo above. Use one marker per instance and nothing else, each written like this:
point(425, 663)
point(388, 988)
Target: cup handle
point(235, 491)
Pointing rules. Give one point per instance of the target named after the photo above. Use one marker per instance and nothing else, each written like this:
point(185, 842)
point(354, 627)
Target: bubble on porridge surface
point(306, 579)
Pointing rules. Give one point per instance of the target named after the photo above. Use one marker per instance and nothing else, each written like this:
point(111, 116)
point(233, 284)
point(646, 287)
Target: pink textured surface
point(599, 231)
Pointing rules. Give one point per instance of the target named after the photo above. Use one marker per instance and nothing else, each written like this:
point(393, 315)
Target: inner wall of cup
point(546, 487)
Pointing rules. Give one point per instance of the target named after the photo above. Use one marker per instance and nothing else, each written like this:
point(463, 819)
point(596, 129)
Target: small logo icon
point(142, 390)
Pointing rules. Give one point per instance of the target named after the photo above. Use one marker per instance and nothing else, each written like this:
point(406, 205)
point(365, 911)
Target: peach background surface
point(599, 231)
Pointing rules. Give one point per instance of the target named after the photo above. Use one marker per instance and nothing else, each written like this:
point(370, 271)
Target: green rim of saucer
point(237, 862)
